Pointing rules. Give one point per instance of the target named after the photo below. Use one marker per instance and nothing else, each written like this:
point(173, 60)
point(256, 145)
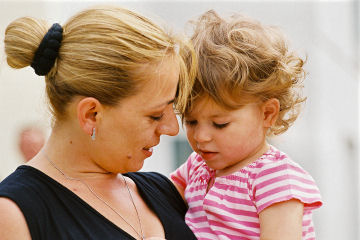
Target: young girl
point(238, 186)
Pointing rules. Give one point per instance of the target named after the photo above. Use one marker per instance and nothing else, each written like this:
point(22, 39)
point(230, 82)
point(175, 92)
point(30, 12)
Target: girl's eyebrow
point(218, 115)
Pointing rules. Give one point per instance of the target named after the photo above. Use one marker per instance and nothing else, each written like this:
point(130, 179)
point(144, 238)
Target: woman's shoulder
point(12, 189)
point(17, 180)
point(28, 190)
point(13, 226)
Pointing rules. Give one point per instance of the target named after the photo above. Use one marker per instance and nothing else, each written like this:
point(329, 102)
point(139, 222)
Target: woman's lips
point(147, 151)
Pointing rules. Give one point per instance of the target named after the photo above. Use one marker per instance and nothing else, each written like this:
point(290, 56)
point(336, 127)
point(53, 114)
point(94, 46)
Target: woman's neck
point(69, 151)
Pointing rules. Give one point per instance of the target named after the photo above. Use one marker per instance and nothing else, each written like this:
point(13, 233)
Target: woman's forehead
point(158, 84)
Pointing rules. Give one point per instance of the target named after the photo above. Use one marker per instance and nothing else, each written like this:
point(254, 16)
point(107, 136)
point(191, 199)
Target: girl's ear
point(271, 110)
point(88, 110)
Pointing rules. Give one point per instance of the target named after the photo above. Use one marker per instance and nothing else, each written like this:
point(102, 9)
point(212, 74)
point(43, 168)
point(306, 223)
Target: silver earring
point(93, 134)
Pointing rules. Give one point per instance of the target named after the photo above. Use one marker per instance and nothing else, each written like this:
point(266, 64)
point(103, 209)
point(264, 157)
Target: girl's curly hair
point(239, 59)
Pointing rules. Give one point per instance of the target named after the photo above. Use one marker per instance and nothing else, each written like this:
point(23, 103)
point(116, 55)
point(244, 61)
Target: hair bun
point(48, 50)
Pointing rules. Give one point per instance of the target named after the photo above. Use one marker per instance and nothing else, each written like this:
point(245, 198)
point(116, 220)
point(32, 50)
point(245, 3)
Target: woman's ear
point(271, 110)
point(88, 110)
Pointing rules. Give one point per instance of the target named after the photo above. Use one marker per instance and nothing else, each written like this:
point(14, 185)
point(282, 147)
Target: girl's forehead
point(206, 105)
point(225, 101)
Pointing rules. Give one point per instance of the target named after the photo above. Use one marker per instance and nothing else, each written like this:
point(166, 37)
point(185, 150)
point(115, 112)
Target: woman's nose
point(169, 125)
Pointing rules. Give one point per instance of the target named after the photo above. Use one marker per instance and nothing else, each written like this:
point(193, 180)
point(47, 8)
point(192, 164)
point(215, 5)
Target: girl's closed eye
point(220, 125)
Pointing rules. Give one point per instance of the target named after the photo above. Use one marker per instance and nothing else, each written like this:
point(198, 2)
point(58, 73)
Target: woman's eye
point(220, 126)
point(190, 122)
point(157, 118)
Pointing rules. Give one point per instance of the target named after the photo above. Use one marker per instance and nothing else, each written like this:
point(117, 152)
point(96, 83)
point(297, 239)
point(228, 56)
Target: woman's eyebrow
point(164, 104)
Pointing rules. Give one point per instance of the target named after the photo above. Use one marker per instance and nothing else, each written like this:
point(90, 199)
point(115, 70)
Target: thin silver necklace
point(141, 235)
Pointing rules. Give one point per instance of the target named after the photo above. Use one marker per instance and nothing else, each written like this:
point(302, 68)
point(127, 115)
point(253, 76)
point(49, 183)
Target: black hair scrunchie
point(48, 50)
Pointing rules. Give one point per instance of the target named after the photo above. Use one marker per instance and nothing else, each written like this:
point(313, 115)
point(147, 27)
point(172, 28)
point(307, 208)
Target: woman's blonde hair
point(100, 51)
point(241, 60)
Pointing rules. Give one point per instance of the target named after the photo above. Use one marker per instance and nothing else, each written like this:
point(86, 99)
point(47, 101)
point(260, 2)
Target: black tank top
point(54, 212)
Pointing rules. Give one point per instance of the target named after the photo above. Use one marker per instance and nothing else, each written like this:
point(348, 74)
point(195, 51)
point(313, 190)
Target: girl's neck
point(256, 154)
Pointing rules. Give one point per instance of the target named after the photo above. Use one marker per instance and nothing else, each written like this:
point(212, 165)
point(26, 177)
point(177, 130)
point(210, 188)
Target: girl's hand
point(282, 221)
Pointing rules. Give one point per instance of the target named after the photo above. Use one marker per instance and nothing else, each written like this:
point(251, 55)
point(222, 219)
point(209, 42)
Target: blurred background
point(324, 140)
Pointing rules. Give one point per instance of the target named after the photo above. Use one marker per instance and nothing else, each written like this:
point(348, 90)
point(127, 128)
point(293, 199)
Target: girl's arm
point(180, 189)
point(12, 221)
point(282, 221)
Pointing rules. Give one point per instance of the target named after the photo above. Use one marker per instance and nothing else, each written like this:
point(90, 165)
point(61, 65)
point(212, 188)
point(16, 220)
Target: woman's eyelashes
point(157, 117)
point(164, 112)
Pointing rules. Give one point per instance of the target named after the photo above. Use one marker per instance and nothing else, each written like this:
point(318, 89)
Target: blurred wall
point(21, 92)
point(325, 138)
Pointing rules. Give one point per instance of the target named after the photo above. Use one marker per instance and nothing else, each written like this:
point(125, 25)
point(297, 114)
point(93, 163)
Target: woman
point(111, 80)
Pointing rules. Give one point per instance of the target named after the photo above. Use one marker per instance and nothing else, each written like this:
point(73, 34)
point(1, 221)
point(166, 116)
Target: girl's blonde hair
point(101, 49)
point(241, 60)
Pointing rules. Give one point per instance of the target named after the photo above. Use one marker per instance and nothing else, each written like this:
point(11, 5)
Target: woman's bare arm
point(12, 221)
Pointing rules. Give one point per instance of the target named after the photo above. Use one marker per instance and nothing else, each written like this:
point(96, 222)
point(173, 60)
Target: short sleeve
point(284, 180)
point(181, 175)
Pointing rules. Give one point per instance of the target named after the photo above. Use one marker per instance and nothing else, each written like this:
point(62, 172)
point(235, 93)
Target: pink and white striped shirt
point(231, 207)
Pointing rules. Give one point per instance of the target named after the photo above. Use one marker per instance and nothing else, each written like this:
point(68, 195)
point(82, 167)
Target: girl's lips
point(207, 155)
point(147, 151)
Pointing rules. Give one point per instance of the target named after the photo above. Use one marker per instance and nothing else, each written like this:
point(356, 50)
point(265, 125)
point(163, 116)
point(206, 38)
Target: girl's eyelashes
point(220, 126)
point(157, 117)
point(190, 122)
point(216, 125)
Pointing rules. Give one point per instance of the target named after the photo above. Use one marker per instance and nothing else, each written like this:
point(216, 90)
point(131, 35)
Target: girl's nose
point(201, 134)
